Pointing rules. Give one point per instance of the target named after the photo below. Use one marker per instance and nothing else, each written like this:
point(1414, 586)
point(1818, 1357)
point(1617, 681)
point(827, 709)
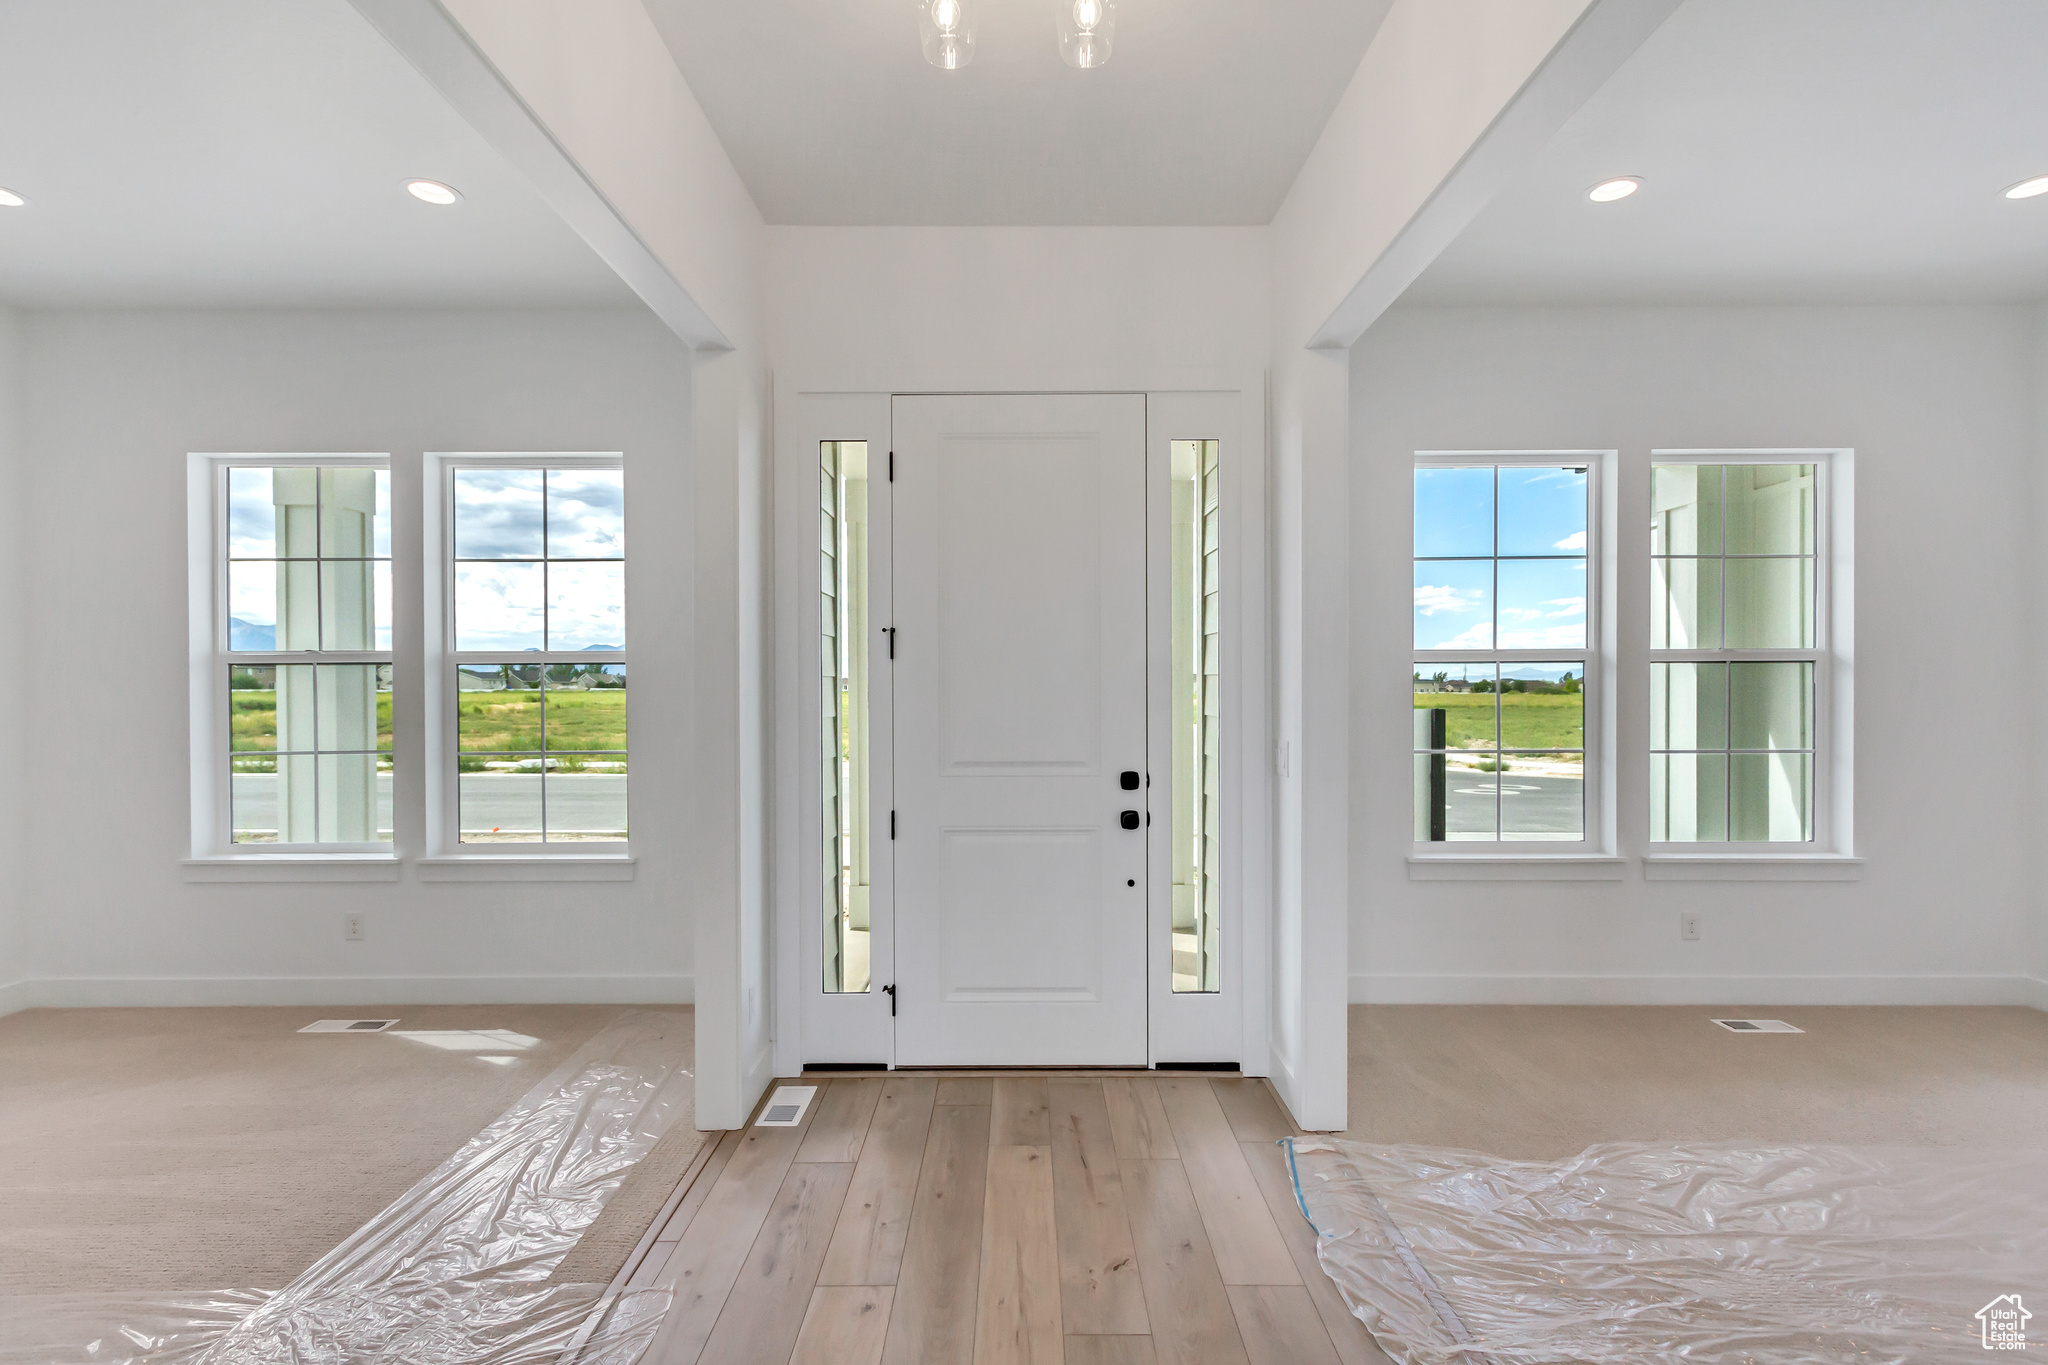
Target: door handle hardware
point(1129, 780)
point(1130, 819)
point(890, 631)
point(891, 991)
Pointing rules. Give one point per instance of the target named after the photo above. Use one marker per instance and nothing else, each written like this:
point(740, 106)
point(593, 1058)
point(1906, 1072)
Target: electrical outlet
point(1689, 928)
point(352, 928)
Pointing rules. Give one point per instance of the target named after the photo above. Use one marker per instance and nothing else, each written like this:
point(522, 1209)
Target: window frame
point(214, 851)
point(448, 858)
point(1830, 838)
point(1593, 854)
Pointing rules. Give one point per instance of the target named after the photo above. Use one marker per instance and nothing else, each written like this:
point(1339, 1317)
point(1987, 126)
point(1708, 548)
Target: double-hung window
point(302, 651)
point(1506, 647)
point(536, 626)
point(1737, 648)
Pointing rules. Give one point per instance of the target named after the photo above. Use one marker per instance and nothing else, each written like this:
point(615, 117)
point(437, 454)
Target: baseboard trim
point(77, 992)
point(1368, 989)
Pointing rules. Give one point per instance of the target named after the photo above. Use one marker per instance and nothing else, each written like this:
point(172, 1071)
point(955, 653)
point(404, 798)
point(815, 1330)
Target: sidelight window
point(843, 710)
point(1197, 810)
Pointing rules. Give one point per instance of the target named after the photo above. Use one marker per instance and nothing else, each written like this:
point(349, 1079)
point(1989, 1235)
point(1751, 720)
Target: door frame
point(809, 1026)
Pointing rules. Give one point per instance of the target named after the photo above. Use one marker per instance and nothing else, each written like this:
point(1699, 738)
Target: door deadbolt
point(1129, 780)
point(1130, 819)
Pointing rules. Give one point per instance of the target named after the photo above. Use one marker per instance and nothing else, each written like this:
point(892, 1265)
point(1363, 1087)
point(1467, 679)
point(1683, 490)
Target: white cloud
point(1431, 599)
point(1543, 637)
point(1575, 541)
point(1478, 635)
point(1566, 607)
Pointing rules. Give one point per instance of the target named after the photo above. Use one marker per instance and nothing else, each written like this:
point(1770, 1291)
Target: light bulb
point(1607, 191)
point(10, 200)
point(1086, 29)
point(2028, 189)
point(946, 29)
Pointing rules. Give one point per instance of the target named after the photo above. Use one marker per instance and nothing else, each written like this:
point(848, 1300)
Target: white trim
point(1751, 867)
point(524, 867)
point(1777, 991)
point(326, 992)
point(811, 1025)
point(272, 867)
point(1502, 867)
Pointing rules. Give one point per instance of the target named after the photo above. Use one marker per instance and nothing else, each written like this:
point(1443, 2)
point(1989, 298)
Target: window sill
point(1752, 867)
point(275, 867)
point(1516, 867)
point(531, 867)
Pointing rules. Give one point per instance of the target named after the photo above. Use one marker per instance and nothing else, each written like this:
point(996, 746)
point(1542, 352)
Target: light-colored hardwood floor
point(918, 1220)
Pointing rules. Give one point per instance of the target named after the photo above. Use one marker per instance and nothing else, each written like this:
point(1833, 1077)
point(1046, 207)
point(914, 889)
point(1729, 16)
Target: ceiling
point(1203, 115)
point(253, 152)
point(1791, 150)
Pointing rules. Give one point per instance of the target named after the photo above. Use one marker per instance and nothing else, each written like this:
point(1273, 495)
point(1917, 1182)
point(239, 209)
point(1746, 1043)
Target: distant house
point(479, 680)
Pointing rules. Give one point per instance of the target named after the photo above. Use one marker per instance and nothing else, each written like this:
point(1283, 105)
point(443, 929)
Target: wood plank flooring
point(1038, 1219)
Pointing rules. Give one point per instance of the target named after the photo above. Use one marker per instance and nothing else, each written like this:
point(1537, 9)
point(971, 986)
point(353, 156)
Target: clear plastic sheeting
point(1634, 1252)
point(454, 1272)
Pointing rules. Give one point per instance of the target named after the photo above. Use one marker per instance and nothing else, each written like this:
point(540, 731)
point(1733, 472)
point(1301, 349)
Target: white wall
point(876, 309)
point(2038, 623)
point(14, 965)
point(116, 400)
point(1938, 404)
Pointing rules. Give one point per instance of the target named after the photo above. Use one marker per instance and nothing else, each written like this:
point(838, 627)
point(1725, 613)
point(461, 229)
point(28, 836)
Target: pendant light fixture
point(1086, 30)
point(947, 27)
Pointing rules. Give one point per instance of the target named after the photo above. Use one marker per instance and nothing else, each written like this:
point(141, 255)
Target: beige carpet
point(218, 1148)
point(1545, 1082)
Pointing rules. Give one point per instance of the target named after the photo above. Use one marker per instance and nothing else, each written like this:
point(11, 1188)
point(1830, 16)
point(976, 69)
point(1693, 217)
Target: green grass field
point(252, 720)
point(510, 722)
point(1550, 721)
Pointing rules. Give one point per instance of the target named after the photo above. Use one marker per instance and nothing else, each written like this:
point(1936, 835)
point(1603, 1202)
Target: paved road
point(1551, 807)
point(577, 802)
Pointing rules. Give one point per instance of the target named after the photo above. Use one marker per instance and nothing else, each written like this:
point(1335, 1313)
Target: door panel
point(1019, 699)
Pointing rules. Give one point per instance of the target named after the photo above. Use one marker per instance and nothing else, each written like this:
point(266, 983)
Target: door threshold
point(974, 1072)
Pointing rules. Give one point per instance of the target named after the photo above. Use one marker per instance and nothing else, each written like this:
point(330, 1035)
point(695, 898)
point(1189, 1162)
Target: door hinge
point(892, 824)
point(892, 466)
point(890, 631)
point(892, 1000)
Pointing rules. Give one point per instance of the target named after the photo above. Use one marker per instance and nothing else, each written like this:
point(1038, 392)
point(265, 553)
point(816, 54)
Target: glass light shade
point(947, 30)
point(1087, 27)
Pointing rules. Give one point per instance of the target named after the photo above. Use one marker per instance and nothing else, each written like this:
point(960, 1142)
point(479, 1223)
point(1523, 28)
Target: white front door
point(1019, 671)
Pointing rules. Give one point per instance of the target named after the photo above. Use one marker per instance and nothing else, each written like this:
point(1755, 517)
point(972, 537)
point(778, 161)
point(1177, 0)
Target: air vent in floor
point(1757, 1026)
point(348, 1026)
point(786, 1106)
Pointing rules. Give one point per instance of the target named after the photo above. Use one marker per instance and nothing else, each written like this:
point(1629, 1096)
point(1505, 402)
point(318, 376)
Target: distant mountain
point(248, 635)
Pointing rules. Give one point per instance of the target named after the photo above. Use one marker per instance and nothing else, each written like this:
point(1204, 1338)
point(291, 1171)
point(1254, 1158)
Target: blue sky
point(1541, 602)
point(505, 597)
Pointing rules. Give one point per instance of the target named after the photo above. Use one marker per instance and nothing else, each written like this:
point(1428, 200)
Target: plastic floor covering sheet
point(454, 1272)
point(1764, 1255)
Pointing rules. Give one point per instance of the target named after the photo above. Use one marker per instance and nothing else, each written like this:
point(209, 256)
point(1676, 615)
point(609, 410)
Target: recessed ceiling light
point(10, 200)
point(2027, 189)
point(431, 191)
point(1607, 191)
